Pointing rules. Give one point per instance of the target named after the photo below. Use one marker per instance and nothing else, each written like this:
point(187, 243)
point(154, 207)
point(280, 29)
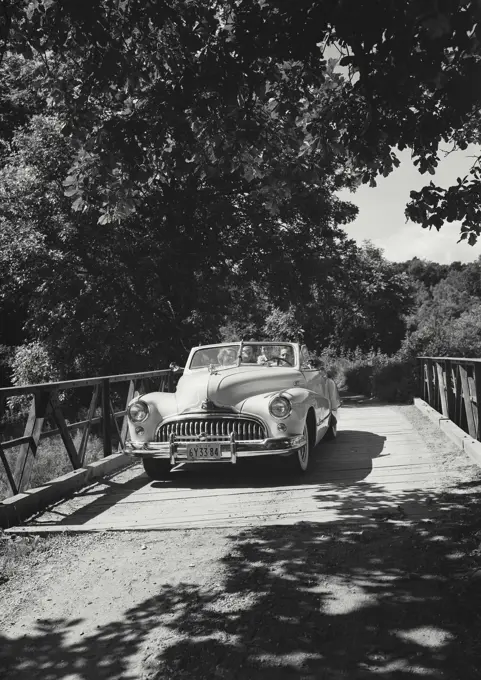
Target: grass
point(52, 461)
point(18, 551)
point(13, 551)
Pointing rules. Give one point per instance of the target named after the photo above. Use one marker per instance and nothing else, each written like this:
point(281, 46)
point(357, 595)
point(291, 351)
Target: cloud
point(381, 213)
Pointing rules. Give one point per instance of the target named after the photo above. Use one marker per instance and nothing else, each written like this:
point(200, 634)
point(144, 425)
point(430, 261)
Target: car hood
point(229, 387)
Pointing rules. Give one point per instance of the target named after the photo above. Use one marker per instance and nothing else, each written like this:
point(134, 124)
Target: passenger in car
point(248, 355)
point(263, 357)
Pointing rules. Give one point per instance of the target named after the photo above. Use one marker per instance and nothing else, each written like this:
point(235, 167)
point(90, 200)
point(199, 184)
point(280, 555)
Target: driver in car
point(287, 354)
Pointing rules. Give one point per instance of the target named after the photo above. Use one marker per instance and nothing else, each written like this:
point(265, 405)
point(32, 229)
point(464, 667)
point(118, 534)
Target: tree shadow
point(395, 599)
point(335, 465)
point(348, 459)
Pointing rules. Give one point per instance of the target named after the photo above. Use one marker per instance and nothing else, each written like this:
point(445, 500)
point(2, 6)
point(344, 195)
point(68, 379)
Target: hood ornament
point(207, 405)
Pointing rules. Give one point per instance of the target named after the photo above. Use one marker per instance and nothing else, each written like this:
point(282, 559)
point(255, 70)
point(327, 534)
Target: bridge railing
point(452, 386)
point(46, 405)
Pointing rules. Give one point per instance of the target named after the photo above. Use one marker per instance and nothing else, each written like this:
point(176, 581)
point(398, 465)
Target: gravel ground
point(395, 600)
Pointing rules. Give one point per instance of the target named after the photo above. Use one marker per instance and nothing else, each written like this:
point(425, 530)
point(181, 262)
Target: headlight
point(280, 407)
point(138, 411)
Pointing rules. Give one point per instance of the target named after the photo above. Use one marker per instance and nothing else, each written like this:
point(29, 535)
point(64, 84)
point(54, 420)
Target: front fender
point(161, 405)
point(301, 400)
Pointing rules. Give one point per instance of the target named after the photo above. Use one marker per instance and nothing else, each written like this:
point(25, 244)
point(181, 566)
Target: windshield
point(253, 353)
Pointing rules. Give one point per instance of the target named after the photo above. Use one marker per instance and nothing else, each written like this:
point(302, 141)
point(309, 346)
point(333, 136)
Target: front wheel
point(300, 460)
point(156, 468)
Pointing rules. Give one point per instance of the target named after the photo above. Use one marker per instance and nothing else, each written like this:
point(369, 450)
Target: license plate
point(203, 452)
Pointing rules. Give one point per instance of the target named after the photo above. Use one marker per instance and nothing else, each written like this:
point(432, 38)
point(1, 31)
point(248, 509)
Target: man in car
point(288, 356)
point(247, 355)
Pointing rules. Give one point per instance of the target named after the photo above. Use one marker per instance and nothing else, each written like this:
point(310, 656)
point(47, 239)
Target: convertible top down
point(236, 400)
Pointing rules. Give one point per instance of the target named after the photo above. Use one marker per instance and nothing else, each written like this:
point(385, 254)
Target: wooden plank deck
point(379, 467)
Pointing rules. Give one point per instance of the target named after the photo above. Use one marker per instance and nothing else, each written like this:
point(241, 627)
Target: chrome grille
point(245, 430)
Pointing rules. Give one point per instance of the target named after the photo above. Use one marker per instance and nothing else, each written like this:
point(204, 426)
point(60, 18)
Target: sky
point(381, 213)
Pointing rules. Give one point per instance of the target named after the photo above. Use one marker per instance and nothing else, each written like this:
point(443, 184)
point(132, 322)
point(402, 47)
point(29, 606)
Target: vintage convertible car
point(236, 400)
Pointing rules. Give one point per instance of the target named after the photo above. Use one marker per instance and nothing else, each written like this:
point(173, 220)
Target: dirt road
point(392, 597)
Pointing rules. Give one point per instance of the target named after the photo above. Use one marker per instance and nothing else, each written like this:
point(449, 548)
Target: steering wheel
point(280, 359)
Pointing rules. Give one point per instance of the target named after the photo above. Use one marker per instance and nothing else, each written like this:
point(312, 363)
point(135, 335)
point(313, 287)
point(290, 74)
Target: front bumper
point(176, 449)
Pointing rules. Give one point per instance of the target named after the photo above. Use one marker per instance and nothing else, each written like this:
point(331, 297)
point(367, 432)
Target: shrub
point(6, 356)
point(396, 381)
point(359, 373)
point(359, 379)
point(374, 374)
point(31, 364)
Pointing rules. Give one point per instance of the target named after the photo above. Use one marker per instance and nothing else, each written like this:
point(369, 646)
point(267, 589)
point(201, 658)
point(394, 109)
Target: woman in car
point(265, 355)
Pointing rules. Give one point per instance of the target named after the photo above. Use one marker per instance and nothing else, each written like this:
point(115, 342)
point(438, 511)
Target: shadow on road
point(391, 599)
point(338, 464)
point(348, 460)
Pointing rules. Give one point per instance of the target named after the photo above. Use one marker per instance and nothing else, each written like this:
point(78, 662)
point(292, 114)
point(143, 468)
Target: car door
point(316, 382)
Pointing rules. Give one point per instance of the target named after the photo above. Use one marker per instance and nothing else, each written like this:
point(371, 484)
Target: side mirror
point(173, 366)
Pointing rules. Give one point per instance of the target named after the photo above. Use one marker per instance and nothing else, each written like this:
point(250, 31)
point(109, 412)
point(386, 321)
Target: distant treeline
point(446, 315)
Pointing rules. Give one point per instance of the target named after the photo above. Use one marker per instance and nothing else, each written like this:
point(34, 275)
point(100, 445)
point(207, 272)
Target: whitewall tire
point(301, 459)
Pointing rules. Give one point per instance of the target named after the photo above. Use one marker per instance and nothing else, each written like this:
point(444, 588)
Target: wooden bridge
point(380, 464)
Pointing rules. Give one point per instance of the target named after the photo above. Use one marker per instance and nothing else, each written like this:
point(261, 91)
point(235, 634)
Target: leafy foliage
point(373, 374)
point(32, 364)
point(170, 169)
point(98, 295)
point(445, 321)
point(155, 93)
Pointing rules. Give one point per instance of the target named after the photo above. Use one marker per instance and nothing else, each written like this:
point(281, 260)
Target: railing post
point(459, 415)
point(429, 382)
point(442, 389)
point(91, 413)
point(106, 424)
point(468, 405)
point(8, 472)
point(448, 381)
point(477, 386)
point(39, 410)
point(64, 432)
point(420, 378)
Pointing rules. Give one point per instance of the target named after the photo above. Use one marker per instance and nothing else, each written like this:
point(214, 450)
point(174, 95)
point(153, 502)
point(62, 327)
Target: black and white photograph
point(240, 339)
